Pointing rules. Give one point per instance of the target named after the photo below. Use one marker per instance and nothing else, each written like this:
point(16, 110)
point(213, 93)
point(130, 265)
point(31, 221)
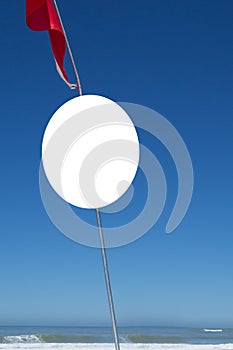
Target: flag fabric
point(42, 15)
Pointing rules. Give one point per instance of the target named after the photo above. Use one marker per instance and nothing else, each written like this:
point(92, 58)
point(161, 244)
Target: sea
point(101, 338)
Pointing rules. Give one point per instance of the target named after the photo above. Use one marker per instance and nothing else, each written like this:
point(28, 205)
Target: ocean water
point(101, 338)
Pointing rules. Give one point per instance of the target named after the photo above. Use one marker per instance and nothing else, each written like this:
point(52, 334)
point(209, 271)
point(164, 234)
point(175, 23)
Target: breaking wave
point(47, 338)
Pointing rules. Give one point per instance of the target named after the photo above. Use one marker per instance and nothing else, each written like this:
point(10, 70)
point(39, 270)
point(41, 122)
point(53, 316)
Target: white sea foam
point(213, 330)
point(43, 346)
point(28, 338)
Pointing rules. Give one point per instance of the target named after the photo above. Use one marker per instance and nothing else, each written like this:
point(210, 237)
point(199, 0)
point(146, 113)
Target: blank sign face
point(90, 151)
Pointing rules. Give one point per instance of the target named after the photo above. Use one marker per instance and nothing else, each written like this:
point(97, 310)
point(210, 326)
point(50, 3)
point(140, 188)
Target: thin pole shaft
point(107, 280)
point(69, 50)
point(100, 230)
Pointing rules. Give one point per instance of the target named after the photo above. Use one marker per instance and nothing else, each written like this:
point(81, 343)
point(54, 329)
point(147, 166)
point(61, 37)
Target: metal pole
point(107, 280)
point(100, 230)
point(69, 50)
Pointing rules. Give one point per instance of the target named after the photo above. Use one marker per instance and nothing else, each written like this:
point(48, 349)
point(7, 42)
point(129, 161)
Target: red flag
point(41, 15)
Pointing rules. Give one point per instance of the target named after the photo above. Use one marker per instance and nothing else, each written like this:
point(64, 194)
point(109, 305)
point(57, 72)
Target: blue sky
point(174, 57)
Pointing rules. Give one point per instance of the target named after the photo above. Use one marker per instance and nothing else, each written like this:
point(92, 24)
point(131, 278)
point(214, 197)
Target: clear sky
point(174, 57)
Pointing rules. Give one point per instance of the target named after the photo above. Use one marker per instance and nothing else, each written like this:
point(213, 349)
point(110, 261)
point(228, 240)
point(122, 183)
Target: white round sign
point(90, 151)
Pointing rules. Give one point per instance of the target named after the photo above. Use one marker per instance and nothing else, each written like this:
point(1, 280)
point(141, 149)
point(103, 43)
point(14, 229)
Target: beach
point(123, 346)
